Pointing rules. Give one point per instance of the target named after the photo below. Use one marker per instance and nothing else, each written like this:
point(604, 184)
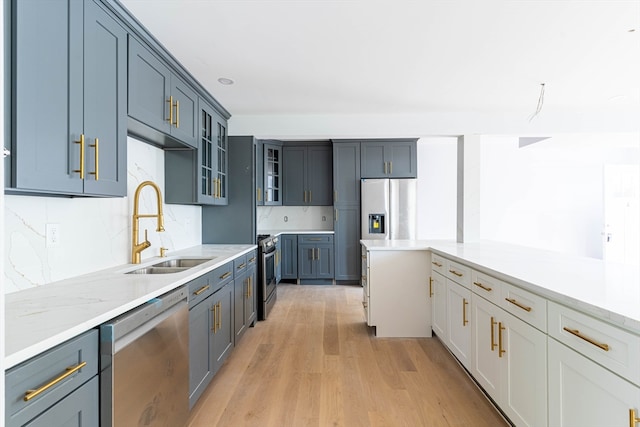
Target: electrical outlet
point(52, 235)
point(324, 218)
point(286, 218)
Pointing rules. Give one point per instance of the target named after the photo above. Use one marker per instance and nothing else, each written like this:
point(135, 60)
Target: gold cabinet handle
point(336, 214)
point(310, 198)
point(97, 156)
point(493, 335)
point(481, 286)
point(437, 264)
point(81, 170)
point(201, 290)
point(518, 304)
point(215, 318)
point(318, 250)
point(464, 312)
point(578, 334)
point(241, 266)
point(335, 195)
point(430, 287)
point(501, 351)
point(259, 194)
point(177, 123)
point(364, 304)
point(385, 168)
point(170, 102)
point(219, 188)
point(456, 273)
point(30, 394)
point(225, 275)
point(633, 420)
point(252, 260)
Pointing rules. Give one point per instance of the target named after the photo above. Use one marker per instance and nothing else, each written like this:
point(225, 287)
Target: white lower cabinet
point(458, 325)
point(438, 294)
point(510, 363)
point(583, 393)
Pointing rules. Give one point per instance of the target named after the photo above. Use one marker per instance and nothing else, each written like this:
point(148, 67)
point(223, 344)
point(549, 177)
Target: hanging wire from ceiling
point(540, 103)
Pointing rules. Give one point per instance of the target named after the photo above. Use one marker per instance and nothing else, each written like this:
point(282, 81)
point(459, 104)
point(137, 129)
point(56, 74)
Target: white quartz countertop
point(40, 318)
point(608, 291)
point(295, 231)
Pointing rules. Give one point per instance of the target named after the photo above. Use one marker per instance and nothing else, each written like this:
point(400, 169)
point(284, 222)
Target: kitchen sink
point(158, 270)
point(182, 262)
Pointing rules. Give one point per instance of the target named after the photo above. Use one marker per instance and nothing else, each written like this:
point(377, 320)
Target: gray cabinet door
point(306, 258)
point(222, 162)
point(240, 285)
point(250, 300)
point(200, 349)
point(389, 159)
point(149, 88)
point(80, 409)
point(319, 176)
point(223, 331)
point(324, 263)
point(347, 242)
point(346, 173)
point(403, 159)
point(47, 95)
point(294, 183)
point(272, 175)
point(184, 116)
point(289, 256)
point(259, 173)
point(373, 162)
point(278, 262)
point(105, 103)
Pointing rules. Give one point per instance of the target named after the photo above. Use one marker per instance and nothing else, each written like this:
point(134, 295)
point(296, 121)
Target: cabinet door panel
point(439, 305)
point(324, 262)
point(347, 243)
point(486, 366)
point(289, 256)
point(582, 393)
point(319, 176)
point(47, 95)
point(105, 103)
point(241, 284)
point(346, 173)
point(149, 88)
point(372, 160)
point(403, 160)
point(223, 337)
point(305, 261)
point(459, 325)
point(184, 112)
point(272, 162)
point(200, 357)
point(293, 176)
point(80, 409)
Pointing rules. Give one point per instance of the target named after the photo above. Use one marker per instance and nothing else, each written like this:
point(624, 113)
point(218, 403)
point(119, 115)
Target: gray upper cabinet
point(307, 175)
point(389, 158)
point(259, 154)
point(68, 99)
point(200, 176)
point(159, 99)
point(272, 181)
point(346, 173)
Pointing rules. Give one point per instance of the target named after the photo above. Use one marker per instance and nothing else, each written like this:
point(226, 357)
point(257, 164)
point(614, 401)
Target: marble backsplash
point(295, 218)
point(95, 233)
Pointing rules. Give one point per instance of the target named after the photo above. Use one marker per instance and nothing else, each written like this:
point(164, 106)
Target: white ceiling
point(405, 57)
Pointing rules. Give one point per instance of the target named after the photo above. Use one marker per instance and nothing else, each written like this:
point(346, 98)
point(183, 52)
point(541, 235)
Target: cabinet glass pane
point(206, 149)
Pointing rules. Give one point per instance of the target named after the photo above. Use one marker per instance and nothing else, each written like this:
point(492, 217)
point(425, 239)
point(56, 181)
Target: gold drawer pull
point(501, 328)
point(225, 275)
point(577, 333)
point(81, 170)
point(633, 420)
point(170, 102)
point(430, 287)
point(252, 260)
point(437, 264)
point(96, 146)
point(464, 312)
point(201, 290)
point(30, 394)
point(517, 304)
point(480, 285)
point(456, 273)
point(241, 266)
point(493, 335)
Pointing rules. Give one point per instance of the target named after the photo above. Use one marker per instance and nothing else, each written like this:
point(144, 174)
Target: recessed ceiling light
point(225, 81)
point(633, 30)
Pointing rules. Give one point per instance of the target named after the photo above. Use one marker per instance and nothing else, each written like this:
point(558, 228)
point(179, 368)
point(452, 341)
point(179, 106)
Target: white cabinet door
point(524, 385)
point(458, 324)
point(486, 363)
point(582, 393)
point(439, 305)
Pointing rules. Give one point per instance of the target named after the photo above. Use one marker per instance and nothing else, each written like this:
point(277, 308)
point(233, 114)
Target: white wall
point(95, 233)
point(550, 194)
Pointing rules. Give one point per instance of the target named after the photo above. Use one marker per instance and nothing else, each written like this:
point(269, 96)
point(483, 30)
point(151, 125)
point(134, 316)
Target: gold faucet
point(137, 248)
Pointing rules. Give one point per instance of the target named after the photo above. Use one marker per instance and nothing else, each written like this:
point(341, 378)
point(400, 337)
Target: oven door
point(268, 274)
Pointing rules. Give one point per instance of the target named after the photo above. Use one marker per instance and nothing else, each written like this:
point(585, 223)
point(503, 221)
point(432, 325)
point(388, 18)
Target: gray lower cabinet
point(200, 348)
point(389, 158)
point(289, 263)
point(315, 256)
point(347, 242)
point(223, 330)
point(278, 260)
point(69, 94)
point(245, 298)
point(200, 176)
point(159, 99)
point(307, 175)
point(73, 400)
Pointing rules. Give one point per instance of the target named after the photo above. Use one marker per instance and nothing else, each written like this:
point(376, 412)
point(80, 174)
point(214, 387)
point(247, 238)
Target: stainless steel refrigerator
point(388, 209)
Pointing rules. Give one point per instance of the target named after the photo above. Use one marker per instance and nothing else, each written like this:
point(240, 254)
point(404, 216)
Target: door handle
point(97, 154)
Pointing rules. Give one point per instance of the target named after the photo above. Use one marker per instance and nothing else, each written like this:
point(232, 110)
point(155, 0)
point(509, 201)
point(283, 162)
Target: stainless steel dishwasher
point(144, 364)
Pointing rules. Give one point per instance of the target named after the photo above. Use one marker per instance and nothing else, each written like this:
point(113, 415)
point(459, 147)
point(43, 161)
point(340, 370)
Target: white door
point(486, 363)
point(458, 324)
point(439, 305)
point(582, 393)
point(621, 234)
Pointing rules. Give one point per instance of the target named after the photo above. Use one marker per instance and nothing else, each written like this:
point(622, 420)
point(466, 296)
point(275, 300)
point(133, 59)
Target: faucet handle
point(163, 252)
point(146, 236)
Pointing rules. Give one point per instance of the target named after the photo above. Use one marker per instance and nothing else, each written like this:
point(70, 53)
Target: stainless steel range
point(267, 291)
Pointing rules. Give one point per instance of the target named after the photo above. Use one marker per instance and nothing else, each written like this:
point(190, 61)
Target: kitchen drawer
point(487, 287)
point(525, 305)
point(608, 345)
point(459, 273)
point(438, 264)
point(221, 275)
point(199, 289)
point(315, 238)
point(240, 264)
point(42, 370)
point(252, 258)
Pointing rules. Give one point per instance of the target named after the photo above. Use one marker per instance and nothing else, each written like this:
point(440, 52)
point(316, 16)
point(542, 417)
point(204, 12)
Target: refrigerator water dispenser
point(376, 223)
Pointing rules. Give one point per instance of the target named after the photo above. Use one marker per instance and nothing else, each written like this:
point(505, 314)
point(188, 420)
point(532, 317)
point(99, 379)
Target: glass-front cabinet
point(272, 174)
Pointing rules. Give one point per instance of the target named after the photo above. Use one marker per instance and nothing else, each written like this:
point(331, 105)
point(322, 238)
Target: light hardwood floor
point(314, 362)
